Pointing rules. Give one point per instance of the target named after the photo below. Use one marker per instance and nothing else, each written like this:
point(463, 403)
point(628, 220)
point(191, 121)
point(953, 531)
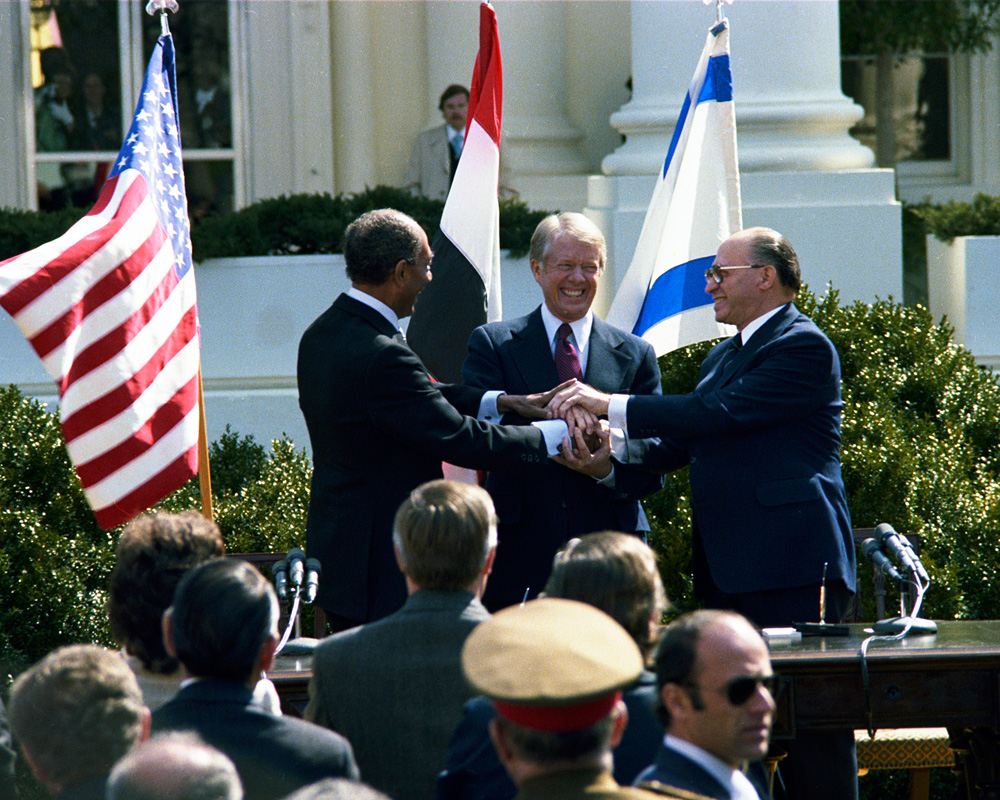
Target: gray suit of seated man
point(395, 687)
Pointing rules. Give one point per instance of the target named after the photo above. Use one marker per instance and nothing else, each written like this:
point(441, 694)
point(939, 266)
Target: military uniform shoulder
point(665, 790)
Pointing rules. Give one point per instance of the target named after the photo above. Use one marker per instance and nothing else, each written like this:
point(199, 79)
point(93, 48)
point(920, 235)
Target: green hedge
point(299, 224)
point(921, 450)
point(981, 217)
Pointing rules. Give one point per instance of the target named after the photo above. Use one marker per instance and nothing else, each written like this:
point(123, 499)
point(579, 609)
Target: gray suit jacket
point(429, 170)
point(395, 689)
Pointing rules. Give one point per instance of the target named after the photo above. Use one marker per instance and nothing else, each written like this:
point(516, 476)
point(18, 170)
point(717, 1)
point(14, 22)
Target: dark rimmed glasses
point(718, 274)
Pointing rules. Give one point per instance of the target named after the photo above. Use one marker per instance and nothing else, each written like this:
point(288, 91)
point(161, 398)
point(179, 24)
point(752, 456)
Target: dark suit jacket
point(379, 428)
point(395, 689)
point(543, 506)
point(273, 755)
point(762, 437)
point(474, 772)
point(675, 770)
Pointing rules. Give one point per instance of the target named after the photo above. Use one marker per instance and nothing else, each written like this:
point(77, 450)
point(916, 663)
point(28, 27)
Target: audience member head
point(615, 572)
point(174, 766)
point(454, 106)
point(75, 713)
point(713, 674)
point(554, 670)
point(567, 255)
point(445, 535)
point(154, 551)
point(223, 623)
point(337, 789)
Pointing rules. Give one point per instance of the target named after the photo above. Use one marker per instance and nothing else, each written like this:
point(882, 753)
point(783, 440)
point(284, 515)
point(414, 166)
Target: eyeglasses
point(717, 273)
point(741, 688)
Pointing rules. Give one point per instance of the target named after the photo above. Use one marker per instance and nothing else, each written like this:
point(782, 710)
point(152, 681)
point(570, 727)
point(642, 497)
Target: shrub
point(921, 450)
point(55, 561)
point(981, 217)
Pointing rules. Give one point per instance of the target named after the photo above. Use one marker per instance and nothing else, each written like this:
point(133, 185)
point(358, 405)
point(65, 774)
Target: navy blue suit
point(762, 437)
point(273, 755)
point(677, 771)
point(541, 506)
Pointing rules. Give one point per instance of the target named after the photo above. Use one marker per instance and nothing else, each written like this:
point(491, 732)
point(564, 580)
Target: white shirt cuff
point(554, 431)
point(608, 480)
point(488, 407)
point(617, 417)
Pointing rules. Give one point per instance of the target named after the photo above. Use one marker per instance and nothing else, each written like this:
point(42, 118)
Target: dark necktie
point(567, 359)
point(734, 350)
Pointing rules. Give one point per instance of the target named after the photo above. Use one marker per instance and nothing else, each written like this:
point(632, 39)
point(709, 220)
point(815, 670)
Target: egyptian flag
point(465, 291)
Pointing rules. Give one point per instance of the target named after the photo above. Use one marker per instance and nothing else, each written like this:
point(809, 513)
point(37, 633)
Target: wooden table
point(948, 679)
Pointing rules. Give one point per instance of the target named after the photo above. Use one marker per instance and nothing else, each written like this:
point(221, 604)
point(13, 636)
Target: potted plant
point(963, 255)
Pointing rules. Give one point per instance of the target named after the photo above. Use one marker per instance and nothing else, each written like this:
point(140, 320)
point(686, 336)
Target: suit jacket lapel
point(768, 331)
point(532, 355)
point(605, 362)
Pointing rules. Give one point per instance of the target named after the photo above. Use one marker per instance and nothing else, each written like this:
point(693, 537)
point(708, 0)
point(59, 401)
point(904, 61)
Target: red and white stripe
point(115, 323)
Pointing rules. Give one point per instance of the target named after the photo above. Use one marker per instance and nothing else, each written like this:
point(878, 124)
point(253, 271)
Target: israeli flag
point(694, 208)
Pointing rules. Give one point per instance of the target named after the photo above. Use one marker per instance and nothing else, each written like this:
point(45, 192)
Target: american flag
point(110, 309)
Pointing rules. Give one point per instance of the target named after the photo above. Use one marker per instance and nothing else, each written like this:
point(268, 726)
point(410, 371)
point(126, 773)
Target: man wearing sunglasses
point(715, 683)
point(761, 435)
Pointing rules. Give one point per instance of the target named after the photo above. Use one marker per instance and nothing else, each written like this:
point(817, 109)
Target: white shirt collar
point(452, 133)
point(375, 303)
point(736, 783)
point(581, 333)
point(754, 325)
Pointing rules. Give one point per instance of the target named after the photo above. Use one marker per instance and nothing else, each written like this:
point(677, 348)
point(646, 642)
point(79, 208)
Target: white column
point(452, 44)
point(801, 172)
point(785, 55)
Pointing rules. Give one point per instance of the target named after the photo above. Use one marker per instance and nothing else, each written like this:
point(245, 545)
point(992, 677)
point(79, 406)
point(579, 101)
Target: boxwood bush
point(301, 224)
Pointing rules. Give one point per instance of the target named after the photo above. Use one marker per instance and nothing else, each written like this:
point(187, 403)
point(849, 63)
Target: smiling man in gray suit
point(395, 687)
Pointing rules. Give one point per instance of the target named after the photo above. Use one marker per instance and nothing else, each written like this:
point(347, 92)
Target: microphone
point(893, 544)
point(871, 551)
point(313, 571)
point(296, 567)
point(280, 571)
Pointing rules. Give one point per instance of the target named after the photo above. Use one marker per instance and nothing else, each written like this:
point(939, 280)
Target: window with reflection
point(921, 104)
point(85, 73)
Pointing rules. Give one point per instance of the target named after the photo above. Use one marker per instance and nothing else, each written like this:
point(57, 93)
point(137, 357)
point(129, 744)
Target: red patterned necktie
point(567, 359)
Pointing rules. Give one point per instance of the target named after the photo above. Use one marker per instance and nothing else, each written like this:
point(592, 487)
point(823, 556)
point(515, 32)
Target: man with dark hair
point(541, 507)
point(616, 573)
point(378, 424)
point(554, 670)
point(435, 152)
point(74, 714)
point(761, 435)
point(714, 679)
point(395, 687)
point(223, 627)
point(174, 766)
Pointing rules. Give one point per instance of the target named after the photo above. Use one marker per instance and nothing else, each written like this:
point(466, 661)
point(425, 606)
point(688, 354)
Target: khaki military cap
point(551, 664)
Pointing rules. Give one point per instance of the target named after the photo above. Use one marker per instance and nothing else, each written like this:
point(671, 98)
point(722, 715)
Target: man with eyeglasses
point(716, 704)
point(542, 506)
point(761, 435)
